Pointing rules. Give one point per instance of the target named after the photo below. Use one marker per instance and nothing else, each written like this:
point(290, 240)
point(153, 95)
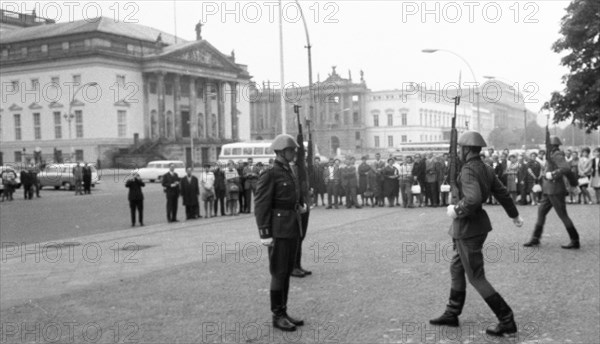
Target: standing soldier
point(251, 173)
point(350, 182)
point(278, 208)
point(554, 191)
point(469, 229)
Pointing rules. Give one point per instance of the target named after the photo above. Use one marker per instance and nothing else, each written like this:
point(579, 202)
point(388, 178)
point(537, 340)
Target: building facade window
point(14, 85)
point(18, 156)
point(355, 117)
point(404, 139)
point(357, 135)
point(120, 79)
point(390, 141)
point(376, 120)
point(57, 125)
point(122, 123)
point(390, 120)
point(37, 126)
point(55, 80)
point(404, 119)
point(17, 119)
point(376, 141)
point(169, 89)
point(79, 155)
point(152, 87)
point(35, 84)
point(78, 123)
point(77, 79)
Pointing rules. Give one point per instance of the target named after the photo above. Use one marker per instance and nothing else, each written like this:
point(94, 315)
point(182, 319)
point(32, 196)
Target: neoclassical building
point(104, 90)
point(337, 123)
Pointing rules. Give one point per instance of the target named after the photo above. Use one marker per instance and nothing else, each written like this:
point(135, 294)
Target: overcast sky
point(507, 39)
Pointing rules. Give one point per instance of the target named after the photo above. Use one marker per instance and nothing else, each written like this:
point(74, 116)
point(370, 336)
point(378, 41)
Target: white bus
point(259, 151)
point(436, 148)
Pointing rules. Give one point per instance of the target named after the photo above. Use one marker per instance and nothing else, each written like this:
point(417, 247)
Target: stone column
point(177, 125)
point(160, 90)
point(193, 112)
point(146, 107)
point(207, 107)
point(220, 105)
point(234, 116)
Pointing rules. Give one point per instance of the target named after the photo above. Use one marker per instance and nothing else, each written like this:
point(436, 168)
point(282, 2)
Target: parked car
point(156, 169)
point(61, 175)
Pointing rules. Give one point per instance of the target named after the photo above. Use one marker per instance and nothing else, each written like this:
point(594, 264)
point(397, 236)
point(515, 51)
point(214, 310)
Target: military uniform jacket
point(476, 183)
point(559, 168)
point(277, 199)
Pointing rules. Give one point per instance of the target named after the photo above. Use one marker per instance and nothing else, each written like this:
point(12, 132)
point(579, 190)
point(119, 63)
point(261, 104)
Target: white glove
point(266, 242)
point(518, 221)
point(451, 212)
point(549, 175)
point(303, 209)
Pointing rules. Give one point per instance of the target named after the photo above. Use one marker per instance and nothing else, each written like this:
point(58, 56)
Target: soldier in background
point(279, 204)
point(469, 230)
point(554, 191)
point(350, 183)
point(250, 175)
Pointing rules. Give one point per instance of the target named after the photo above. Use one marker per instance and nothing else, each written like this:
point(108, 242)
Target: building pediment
point(55, 105)
point(201, 53)
point(15, 107)
point(77, 102)
point(35, 106)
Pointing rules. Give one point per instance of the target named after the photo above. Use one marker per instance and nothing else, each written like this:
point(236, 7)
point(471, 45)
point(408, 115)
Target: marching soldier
point(554, 191)
point(469, 229)
point(279, 204)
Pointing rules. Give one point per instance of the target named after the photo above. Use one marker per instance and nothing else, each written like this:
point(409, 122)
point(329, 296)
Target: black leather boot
point(573, 245)
point(504, 314)
point(453, 309)
point(532, 242)
point(296, 322)
point(280, 320)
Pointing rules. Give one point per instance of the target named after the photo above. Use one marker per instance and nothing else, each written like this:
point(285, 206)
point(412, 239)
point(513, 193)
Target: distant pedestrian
point(78, 178)
point(232, 188)
point(208, 190)
point(190, 191)
point(136, 198)
point(87, 179)
point(27, 183)
point(250, 173)
point(170, 183)
point(219, 190)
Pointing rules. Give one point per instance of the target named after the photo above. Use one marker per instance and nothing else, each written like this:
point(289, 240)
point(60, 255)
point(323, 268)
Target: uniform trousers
point(468, 260)
point(558, 203)
point(332, 191)
point(282, 257)
point(172, 207)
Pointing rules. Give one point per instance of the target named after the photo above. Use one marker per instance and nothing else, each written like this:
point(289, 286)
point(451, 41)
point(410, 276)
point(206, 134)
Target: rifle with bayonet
point(453, 163)
point(301, 157)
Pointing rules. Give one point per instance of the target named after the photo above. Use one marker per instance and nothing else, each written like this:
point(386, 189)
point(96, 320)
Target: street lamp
point(69, 115)
point(431, 51)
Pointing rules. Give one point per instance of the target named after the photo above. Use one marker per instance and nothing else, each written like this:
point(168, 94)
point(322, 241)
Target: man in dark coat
point(279, 204)
point(317, 182)
point(219, 190)
point(190, 191)
point(241, 184)
point(170, 183)
point(363, 178)
point(136, 198)
point(554, 191)
point(469, 229)
point(87, 179)
point(27, 181)
point(350, 183)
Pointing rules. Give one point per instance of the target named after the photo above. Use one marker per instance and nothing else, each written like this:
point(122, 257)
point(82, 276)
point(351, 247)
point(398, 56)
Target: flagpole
point(175, 19)
point(281, 80)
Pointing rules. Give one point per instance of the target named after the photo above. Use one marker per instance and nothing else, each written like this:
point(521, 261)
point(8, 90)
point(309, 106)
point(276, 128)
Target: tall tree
point(579, 100)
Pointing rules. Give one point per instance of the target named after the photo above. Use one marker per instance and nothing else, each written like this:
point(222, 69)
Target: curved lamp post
point(431, 51)
point(69, 115)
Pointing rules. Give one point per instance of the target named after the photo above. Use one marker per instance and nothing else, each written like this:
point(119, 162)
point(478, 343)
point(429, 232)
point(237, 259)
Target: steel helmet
point(283, 141)
point(471, 138)
point(554, 140)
